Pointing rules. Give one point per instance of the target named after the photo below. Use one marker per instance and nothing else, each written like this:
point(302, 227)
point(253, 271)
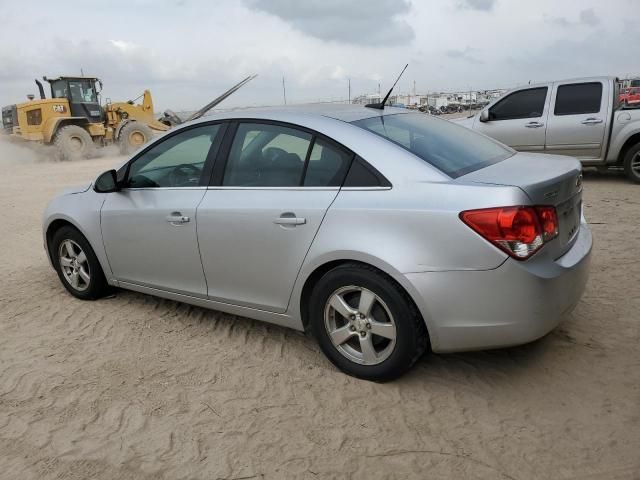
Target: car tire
point(132, 136)
point(393, 326)
point(74, 143)
point(77, 265)
point(632, 163)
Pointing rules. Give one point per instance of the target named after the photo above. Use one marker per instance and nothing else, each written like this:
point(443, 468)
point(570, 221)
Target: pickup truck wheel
point(632, 164)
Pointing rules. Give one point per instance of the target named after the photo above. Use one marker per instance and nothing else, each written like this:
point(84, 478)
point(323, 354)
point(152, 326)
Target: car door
point(578, 120)
point(258, 219)
point(149, 226)
point(518, 119)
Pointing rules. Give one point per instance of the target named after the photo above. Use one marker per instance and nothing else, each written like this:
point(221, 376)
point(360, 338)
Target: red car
point(631, 94)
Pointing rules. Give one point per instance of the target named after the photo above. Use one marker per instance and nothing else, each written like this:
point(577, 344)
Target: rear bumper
point(513, 304)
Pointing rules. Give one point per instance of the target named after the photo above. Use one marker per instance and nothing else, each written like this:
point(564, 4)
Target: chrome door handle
point(176, 218)
point(289, 220)
point(591, 121)
point(534, 125)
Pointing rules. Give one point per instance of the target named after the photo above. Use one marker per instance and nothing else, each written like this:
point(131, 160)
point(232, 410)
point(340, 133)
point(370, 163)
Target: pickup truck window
point(527, 103)
point(578, 98)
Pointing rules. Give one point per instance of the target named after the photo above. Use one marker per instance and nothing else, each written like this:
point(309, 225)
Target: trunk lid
point(547, 180)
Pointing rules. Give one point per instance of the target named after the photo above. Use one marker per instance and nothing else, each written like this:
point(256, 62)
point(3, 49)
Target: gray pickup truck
point(581, 117)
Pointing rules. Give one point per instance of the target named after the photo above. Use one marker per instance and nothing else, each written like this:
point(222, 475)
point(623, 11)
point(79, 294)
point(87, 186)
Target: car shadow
point(592, 175)
point(493, 366)
point(483, 366)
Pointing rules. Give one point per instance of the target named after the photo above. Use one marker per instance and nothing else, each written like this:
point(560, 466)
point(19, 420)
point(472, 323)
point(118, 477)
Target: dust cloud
point(16, 151)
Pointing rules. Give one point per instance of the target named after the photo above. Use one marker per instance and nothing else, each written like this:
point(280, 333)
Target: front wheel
point(632, 163)
point(77, 265)
point(365, 323)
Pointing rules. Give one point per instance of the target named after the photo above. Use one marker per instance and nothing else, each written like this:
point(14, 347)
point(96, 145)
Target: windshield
point(451, 148)
point(82, 91)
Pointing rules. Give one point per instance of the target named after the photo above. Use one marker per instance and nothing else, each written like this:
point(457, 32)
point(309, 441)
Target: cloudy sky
point(189, 51)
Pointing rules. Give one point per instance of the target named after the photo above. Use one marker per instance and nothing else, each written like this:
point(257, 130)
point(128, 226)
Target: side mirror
point(484, 116)
point(107, 182)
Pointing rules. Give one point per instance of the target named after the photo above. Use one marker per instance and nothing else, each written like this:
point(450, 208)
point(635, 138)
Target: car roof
point(337, 111)
point(566, 80)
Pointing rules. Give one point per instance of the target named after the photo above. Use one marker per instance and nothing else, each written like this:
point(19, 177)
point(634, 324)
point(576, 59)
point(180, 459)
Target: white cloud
point(122, 45)
point(358, 22)
point(188, 52)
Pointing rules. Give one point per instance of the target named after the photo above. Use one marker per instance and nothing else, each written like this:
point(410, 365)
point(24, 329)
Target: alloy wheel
point(635, 164)
point(360, 325)
point(74, 265)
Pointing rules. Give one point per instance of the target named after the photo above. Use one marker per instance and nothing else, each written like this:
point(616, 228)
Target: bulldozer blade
point(218, 100)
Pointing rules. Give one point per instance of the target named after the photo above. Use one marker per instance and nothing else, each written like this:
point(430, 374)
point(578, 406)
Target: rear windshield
point(451, 148)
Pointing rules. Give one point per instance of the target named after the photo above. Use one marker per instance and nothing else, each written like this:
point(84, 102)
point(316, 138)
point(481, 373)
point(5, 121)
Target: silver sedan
point(382, 232)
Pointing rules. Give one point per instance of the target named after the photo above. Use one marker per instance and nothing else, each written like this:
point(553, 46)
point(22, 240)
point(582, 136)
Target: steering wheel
point(184, 175)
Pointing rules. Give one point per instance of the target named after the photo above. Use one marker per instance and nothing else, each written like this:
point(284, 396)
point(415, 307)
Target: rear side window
point(274, 155)
point(264, 155)
point(578, 99)
point(451, 148)
point(527, 103)
point(327, 165)
point(361, 174)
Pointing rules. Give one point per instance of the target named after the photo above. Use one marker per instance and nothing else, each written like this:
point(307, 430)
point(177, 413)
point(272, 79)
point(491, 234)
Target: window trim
point(214, 150)
point(559, 86)
point(544, 104)
point(222, 159)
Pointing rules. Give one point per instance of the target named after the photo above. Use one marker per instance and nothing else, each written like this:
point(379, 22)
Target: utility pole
point(284, 91)
point(349, 91)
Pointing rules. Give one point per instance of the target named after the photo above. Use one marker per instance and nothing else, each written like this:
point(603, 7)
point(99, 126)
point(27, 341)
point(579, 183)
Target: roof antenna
point(380, 106)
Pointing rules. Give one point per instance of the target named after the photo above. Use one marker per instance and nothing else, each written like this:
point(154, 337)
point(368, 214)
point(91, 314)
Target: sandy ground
point(137, 387)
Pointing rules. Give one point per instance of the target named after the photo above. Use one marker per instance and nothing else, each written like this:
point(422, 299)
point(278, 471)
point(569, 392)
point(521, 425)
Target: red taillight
point(519, 231)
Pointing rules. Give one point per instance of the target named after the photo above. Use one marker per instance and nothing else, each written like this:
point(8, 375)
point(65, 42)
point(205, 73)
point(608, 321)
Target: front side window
point(578, 99)
point(177, 161)
point(453, 149)
point(521, 104)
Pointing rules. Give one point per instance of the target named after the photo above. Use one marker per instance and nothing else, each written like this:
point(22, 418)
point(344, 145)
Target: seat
point(284, 171)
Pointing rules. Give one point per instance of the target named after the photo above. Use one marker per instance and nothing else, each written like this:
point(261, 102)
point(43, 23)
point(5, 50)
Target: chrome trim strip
point(164, 188)
point(353, 189)
point(328, 189)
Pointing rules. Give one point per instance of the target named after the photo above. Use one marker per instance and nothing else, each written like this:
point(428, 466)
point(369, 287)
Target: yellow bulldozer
point(76, 123)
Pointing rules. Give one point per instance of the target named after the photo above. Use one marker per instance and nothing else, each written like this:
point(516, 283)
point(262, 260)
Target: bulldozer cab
point(82, 94)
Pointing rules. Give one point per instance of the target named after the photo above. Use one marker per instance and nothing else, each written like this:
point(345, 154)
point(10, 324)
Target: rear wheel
point(74, 143)
point(132, 136)
point(77, 265)
point(632, 163)
point(365, 323)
